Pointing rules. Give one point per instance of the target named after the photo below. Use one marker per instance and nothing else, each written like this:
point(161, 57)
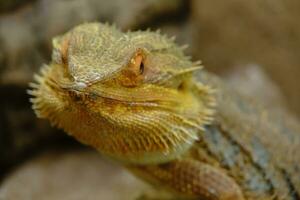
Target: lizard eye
point(142, 67)
point(133, 74)
point(64, 51)
point(137, 63)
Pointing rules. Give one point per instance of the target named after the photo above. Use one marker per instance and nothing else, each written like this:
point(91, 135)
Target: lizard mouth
point(149, 96)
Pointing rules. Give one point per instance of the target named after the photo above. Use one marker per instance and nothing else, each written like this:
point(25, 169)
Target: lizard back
point(259, 148)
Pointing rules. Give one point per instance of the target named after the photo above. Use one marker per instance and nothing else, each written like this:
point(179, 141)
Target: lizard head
point(130, 95)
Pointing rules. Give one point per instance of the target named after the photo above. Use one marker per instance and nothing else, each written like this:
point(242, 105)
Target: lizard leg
point(191, 179)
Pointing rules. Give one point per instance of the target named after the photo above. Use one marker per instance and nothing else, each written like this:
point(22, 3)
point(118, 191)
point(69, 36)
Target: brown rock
point(235, 33)
point(76, 175)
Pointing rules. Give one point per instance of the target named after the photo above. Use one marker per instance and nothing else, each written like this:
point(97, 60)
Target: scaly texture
point(134, 98)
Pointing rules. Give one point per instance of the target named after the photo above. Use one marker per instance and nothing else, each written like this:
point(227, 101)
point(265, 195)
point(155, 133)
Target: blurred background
point(254, 45)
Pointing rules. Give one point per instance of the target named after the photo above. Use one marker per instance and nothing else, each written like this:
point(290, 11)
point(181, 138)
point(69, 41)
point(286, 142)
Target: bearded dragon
point(136, 98)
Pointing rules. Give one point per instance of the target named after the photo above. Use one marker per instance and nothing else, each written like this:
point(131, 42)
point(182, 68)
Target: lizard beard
point(135, 134)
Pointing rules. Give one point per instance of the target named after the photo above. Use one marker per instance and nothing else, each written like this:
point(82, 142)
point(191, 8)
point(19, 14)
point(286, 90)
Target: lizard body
point(134, 97)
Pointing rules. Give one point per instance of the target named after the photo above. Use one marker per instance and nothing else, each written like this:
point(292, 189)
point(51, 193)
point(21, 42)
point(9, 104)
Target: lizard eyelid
point(64, 51)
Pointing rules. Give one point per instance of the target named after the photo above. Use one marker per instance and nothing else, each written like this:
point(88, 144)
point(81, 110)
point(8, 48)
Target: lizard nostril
point(180, 86)
point(75, 96)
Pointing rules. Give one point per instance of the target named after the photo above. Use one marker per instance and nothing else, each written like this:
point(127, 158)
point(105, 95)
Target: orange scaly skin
point(134, 97)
